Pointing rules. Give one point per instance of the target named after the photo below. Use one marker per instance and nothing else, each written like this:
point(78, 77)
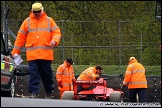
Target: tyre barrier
point(115, 82)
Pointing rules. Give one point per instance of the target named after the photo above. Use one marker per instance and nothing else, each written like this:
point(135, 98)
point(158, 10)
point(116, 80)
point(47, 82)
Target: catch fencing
point(109, 42)
point(115, 82)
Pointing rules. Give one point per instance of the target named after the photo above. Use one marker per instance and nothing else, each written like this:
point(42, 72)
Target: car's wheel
point(68, 95)
point(116, 96)
point(11, 92)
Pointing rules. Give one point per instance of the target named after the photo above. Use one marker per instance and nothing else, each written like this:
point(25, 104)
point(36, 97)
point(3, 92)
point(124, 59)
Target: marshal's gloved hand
point(52, 43)
point(17, 59)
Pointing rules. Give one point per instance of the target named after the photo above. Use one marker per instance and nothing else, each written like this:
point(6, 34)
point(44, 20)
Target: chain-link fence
point(102, 42)
point(106, 45)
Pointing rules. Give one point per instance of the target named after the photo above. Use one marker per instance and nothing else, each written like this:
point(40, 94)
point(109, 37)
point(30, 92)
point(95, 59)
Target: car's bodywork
point(100, 93)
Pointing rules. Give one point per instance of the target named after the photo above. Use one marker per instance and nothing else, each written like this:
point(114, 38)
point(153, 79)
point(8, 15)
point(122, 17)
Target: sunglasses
point(36, 11)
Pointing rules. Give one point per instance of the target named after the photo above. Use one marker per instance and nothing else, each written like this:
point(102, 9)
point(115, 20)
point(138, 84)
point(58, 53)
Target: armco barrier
point(115, 82)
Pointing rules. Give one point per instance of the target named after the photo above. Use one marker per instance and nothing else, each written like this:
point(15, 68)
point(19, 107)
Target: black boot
point(33, 96)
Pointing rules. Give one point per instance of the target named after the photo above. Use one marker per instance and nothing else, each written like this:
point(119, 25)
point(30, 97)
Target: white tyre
point(68, 95)
point(116, 96)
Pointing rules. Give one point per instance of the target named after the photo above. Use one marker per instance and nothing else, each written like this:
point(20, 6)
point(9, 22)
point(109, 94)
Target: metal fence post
point(119, 30)
point(141, 49)
point(63, 50)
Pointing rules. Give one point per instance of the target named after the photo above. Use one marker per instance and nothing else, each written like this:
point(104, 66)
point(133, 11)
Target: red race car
point(99, 93)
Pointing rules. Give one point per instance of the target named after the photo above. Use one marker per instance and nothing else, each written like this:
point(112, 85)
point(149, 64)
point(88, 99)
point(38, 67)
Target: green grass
point(113, 69)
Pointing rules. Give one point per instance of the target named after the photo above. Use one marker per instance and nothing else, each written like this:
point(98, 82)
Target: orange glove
point(60, 84)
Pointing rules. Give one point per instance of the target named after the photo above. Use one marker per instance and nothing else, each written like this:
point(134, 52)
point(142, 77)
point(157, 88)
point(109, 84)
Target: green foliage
point(121, 28)
point(151, 57)
point(112, 69)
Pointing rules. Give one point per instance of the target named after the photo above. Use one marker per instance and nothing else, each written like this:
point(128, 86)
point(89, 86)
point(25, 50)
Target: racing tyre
point(68, 95)
point(116, 96)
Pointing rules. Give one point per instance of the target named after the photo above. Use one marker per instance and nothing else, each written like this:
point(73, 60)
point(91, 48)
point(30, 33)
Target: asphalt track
point(29, 102)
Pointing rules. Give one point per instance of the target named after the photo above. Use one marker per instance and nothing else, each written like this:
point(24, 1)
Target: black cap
point(99, 68)
point(69, 60)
